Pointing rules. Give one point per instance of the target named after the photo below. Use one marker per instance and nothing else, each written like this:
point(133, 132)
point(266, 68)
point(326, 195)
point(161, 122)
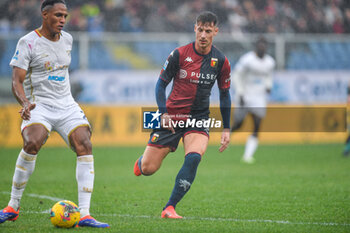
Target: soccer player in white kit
point(40, 83)
point(252, 79)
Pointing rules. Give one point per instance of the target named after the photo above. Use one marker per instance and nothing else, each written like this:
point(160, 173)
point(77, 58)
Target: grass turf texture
point(306, 187)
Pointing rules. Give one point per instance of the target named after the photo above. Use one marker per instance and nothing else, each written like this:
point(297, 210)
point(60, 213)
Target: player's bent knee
point(83, 147)
point(148, 169)
point(32, 146)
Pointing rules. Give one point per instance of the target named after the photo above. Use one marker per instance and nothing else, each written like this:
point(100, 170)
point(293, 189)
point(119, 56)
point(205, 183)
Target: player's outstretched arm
point(18, 76)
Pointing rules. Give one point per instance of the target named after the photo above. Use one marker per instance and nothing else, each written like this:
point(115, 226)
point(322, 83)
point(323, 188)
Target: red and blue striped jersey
point(193, 77)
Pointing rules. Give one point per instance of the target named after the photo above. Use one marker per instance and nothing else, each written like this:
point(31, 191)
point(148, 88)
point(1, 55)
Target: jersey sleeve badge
point(15, 57)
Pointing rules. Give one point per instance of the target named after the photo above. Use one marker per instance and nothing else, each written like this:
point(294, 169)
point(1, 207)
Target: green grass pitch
point(291, 188)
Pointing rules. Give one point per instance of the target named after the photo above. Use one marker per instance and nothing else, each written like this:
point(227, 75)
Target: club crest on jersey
point(214, 62)
point(155, 137)
point(48, 66)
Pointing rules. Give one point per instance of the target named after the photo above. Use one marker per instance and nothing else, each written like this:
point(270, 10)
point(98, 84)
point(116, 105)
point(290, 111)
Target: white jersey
point(46, 63)
point(252, 76)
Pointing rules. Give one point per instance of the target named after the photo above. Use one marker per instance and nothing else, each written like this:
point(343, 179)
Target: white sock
point(85, 177)
point(250, 147)
point(24, 168)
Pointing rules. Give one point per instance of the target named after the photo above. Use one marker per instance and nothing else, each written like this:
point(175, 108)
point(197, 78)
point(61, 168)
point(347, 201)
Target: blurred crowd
point(236, 16)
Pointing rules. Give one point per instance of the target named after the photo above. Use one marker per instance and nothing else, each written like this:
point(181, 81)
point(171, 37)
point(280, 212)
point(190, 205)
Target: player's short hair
point(207, 17)
point(46, 4)
point(260, 39)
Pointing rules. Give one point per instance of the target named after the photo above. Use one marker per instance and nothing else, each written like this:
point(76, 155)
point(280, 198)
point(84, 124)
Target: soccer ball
point(65, 214)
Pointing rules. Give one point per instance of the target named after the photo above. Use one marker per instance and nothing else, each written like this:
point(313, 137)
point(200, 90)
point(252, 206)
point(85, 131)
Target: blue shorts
point(165, 138)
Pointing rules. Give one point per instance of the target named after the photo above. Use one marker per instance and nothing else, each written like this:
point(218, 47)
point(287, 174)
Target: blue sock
point(184, 178)
point(139, 164)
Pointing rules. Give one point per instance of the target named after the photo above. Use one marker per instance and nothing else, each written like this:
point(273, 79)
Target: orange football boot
point(137, 170)
point(8, 214)
point(169, 212)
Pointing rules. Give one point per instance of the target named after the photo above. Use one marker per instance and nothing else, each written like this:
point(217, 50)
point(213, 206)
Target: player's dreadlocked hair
point(49, 3)
point(207, 17)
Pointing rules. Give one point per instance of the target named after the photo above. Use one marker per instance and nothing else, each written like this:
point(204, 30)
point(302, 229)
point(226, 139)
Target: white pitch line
point(216, 219)
point(40, 196)
point(232, 220)
point(45, 197)
point(188, 218)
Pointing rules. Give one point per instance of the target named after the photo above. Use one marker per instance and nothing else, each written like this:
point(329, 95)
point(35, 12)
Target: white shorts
point(63, 121)
point(254, 104)
point(241, 112)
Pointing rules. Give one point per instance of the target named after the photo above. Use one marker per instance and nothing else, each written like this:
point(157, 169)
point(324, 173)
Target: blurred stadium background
point(120, 47)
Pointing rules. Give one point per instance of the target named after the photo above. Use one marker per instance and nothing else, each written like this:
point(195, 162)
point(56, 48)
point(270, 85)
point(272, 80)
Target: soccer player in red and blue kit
point(193, 68)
